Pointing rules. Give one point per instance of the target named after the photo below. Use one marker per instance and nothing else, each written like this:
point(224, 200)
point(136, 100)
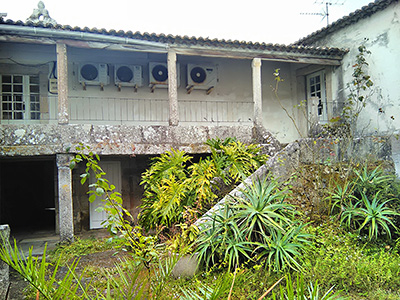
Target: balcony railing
point(112, 111)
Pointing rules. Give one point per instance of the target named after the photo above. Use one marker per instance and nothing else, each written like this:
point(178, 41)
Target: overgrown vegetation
point(179, 191)
point(330, 231)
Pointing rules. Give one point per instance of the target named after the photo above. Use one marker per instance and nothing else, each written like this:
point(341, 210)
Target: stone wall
point(31, 140)
point(307, 151)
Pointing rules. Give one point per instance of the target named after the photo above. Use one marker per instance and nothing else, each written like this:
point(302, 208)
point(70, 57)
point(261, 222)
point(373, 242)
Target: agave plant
point(370, 182)
point(221, 240)
point(283, 249)
point(374, 215)
point(342, 196)
point(261, 210)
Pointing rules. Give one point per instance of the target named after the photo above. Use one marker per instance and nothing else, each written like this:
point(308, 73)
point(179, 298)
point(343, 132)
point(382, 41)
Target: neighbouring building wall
point(380, 33)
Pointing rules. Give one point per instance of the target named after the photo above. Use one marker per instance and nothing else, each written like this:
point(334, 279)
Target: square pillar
point(62, 83)
point(257, 91)
point(65, 207)
point(4, 269)
point(172, 89)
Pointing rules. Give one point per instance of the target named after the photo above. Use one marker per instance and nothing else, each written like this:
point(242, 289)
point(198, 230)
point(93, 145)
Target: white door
point(113, 175)
point(316, 89)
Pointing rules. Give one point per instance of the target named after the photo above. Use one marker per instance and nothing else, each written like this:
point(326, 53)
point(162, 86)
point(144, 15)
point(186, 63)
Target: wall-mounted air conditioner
point(158, 74)
point(202, 76)
point(128, 75)
point(93, 74)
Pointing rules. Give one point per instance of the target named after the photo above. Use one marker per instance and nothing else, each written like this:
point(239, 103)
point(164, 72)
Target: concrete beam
point(66, 218)
point(172, 89)
point(62, 76)
point(257, 91)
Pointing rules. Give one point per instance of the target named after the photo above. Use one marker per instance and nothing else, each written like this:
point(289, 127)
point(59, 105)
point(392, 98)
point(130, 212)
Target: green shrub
point(172, 187)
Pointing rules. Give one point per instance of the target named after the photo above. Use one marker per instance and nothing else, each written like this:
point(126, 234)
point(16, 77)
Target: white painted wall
point(382, 30)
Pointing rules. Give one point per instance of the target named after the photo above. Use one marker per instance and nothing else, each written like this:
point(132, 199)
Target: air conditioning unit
point(93, 74)
point(158, 74)
point(128, 75)
point(200, 76)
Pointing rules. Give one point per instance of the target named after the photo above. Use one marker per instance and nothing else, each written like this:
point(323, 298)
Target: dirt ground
point(106, 259)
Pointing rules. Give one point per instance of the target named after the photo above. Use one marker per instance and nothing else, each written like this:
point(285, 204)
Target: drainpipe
point(77, 35)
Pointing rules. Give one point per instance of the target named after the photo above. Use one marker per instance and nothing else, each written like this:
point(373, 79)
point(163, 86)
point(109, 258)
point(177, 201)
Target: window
point(20, 97)
point(316, 89)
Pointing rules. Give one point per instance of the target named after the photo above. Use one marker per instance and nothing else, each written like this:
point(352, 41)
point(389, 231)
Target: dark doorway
point(27, 194)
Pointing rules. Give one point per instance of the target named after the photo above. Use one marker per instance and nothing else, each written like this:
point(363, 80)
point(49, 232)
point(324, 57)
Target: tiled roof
point(354, 17)
point(190, 41)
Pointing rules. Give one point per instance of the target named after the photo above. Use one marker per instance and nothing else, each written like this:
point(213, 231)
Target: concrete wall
point(382, 31)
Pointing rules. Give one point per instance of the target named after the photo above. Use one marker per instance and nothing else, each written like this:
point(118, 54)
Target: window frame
point(30, 98)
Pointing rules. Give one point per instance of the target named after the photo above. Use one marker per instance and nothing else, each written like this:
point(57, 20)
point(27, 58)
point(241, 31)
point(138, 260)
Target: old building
point(377, 27)
point(130, 96)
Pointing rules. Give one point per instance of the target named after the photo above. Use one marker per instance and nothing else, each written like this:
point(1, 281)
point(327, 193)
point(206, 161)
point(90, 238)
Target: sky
point(269, 21)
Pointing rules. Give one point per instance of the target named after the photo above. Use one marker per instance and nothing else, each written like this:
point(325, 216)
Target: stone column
point(62, 82)
point(172, 89)
point(4, 269)
point(257, 91)
point(66, 217)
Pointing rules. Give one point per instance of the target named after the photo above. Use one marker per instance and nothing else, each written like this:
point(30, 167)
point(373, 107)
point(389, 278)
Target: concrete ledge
point(30, 140)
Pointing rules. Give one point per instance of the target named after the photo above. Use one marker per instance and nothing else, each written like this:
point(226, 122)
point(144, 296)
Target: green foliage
point(300, 291)
point(254, 227)
point(363, 203)
point(35, 271)
point(172, 188)
point(222, 242)
point(80, 247)
point(119, 219)
point(260, 210)
point(335, 258)
point(373, 215)
point(282, 248)
point(360, 88)
point(203, 292)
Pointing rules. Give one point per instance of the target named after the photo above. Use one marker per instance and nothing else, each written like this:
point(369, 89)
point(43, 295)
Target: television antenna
point(324, 13)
